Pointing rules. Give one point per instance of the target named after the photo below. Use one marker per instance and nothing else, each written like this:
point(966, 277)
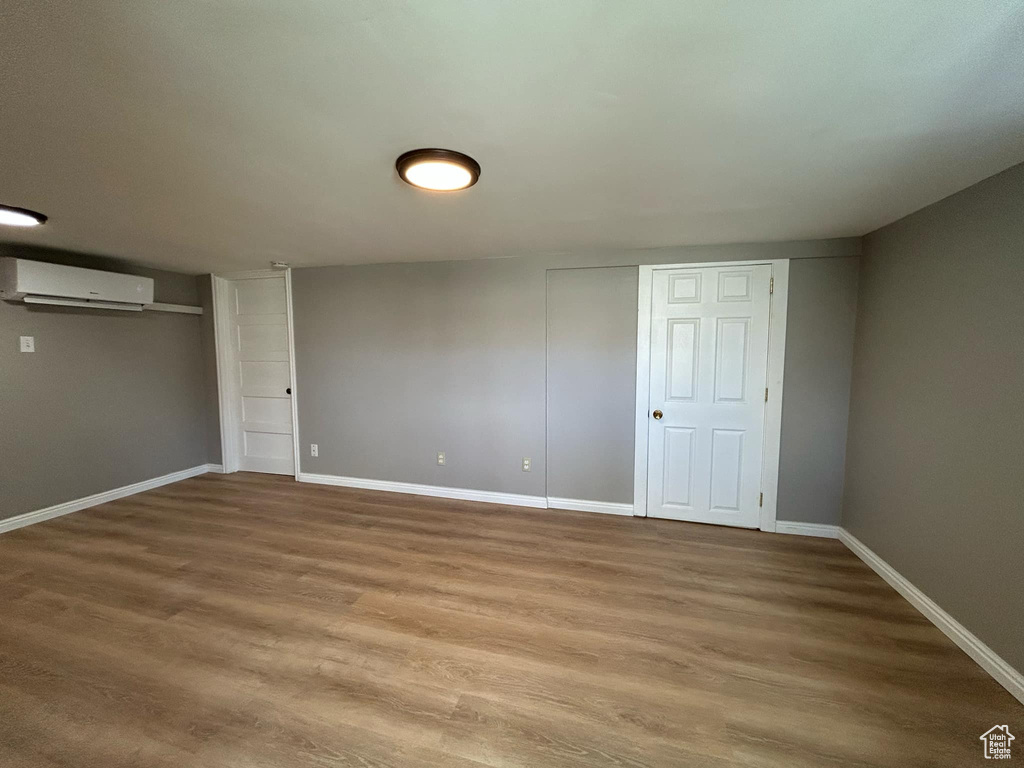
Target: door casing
point(226, 394)
point(776, 367)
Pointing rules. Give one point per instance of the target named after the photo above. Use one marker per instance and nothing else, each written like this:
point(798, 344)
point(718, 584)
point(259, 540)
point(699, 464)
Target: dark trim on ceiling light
point(414, 156)
point(39, 217)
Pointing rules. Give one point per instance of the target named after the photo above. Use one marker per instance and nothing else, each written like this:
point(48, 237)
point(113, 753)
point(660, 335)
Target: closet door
point(708, 378)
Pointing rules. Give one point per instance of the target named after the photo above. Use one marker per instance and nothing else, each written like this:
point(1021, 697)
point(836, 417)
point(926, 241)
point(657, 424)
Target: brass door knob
point(657, 415)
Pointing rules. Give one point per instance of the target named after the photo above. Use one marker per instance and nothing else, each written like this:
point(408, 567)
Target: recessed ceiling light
point(20, 217)
point(443, 170)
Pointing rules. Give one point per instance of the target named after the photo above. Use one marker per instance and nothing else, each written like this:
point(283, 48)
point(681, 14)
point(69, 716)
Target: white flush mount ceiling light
point(20, 217)
point(441, 170)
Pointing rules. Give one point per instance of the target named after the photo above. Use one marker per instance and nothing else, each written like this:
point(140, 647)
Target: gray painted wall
point(397, 362)
point(816, 400)
point(935, 459)
point(591, 374)
point(107, 399)
point(209, 351)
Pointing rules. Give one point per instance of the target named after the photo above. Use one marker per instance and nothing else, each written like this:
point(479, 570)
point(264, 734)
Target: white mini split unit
point(37, 283)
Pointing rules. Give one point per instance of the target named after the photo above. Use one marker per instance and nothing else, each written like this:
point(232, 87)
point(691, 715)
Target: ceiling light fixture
point(20, 217)
point(441, 170)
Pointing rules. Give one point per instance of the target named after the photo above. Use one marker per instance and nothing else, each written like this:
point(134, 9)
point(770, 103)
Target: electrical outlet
point(28, 343)
point(526, 463)
point(440, 458)
point(314, 449)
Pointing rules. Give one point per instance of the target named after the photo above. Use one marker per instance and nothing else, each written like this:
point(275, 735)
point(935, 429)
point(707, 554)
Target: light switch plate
point(28, 343)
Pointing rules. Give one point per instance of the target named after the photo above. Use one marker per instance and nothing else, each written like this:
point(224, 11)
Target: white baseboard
point(217, 469)
point(20, 521)
point(467, 494)
point(807, 529)
point(581, 505)
point(989, 660)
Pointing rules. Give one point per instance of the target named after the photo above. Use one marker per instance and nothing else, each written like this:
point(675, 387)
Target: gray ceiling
point(220, 135)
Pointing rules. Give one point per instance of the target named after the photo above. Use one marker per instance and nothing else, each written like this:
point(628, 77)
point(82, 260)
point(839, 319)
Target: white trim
point(217, 469)
point(581, 505)
point(1008, 677)
point(291, 369)
point(773, 410)
point(442, 492)
point(185, 309)
point(468, 494)
point(226, 395)
point(225, 390)
point(20, 521)
point(807, 529)
point(776, 367)
point(250, 274)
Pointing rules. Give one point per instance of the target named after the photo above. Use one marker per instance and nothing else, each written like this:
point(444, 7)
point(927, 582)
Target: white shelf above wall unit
point(185, 309)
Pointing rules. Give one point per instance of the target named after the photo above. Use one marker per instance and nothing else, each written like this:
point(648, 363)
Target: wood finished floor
point(247, 620)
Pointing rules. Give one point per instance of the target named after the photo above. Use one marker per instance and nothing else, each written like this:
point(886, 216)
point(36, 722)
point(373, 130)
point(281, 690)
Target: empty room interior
point(480, 383)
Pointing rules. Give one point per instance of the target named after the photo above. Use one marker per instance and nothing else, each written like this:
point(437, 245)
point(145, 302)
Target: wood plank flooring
point(247, 620)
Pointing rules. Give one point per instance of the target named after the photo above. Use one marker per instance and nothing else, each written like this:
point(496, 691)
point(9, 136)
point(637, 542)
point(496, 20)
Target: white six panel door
point(709, 370)
point(262, 370)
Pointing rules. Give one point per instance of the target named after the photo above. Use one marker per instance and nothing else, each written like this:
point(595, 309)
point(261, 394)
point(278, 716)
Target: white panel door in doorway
point(261, 367)
point(708, 379)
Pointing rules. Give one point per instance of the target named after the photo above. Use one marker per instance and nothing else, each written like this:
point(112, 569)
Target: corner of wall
point(211, 400)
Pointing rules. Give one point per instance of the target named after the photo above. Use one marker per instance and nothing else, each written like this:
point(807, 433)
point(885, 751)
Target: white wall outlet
point(314, 449)
point(440, 458)
point(28, 343)
point(526, 463)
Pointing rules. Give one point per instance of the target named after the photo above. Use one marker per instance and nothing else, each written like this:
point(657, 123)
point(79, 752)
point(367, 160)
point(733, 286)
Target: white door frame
point(776, 365)
point(229, 448)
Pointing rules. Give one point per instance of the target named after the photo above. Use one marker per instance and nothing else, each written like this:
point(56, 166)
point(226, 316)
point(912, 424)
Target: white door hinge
point(771, 285)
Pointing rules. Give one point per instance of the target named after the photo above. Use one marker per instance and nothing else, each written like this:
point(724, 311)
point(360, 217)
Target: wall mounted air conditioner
point(35, 282)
